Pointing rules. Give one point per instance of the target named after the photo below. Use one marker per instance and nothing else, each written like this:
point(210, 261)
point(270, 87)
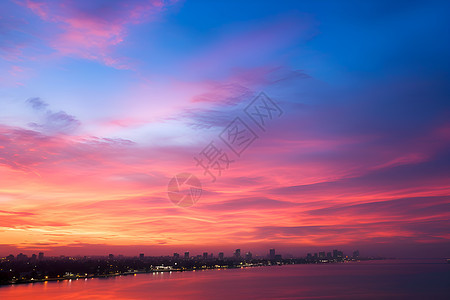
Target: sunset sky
point(103, 102)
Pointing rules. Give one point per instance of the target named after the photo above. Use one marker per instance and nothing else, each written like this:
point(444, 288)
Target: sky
point(103, 103)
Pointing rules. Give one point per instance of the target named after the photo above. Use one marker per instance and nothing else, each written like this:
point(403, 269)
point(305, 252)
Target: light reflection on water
point(393, 279)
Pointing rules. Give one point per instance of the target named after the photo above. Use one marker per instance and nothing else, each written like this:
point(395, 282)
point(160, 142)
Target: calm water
point(394, 279)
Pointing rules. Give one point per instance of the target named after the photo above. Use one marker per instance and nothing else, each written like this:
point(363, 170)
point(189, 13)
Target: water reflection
point(374, 280)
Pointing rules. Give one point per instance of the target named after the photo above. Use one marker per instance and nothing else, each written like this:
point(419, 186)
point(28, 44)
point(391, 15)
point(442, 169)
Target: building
point(186, 255)
point(335, 253)
point(111, 256)
point(211, 255)
point(309, 256)
point(220, 255)
point(176, 255)
point(356, 254)
point(41, 255)
point(329, 255)
point(321, 254)
point(34, 256)
point(21, 256)
point(272, 253)
point(248, 255)
point(205, 255)
point(237, 253)
point(141, 256)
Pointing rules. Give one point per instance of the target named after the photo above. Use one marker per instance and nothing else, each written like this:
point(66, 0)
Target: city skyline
point(113, 113)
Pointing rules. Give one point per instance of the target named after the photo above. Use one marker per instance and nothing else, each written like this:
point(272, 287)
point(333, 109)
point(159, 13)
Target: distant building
point(329, 255)
point(205, 255)
point(141, 256)
point(321, 254)
point(308, 256)
point(34, 257)
point(186, 255)
point(278, 257)
point(335, 253)
point(272, 253)
point(41, 255)
point(111, 256)
point(315, 255)
point(176, 255)
point(356, 254)
point(21, 256)
point(211, 255)
point(237, 253)
point(221, 255)
point(248, 255)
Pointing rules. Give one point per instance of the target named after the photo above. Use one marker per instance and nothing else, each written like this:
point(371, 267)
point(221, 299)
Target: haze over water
point(387, 279)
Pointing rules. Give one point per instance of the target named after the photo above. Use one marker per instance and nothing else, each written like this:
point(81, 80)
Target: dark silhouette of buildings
point(237, 254)
point(272, 254)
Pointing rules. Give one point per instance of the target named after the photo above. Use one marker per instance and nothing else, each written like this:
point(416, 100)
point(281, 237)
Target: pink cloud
point(91, 30)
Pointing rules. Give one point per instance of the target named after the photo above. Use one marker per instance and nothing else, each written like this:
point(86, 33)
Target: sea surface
point(386, 279)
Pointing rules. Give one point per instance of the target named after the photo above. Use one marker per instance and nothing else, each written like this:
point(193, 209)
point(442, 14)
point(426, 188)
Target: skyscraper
point(176, 255)
point(272, 253)
point(248, 255)
point(205, 255)
point(186, 255)
point(141, 256)
point(41, 255)
point(335, 253)
point(221, 255)
point(237, 253)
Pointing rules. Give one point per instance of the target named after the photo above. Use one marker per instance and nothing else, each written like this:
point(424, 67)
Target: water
point(390, 279)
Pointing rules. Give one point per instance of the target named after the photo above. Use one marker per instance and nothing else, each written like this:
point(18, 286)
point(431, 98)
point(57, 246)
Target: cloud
point(92, 29)
point(53, 122)
point(37, 103)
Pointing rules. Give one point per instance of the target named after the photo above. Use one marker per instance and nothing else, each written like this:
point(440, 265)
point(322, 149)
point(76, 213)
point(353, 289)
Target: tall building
point(176, 255)
point(205, 255)
point(141, 256)
point(356, 254)
point(221, 255)
point(248, 255)
point(211, 255)
point(308, 256)
point(237, 253)
point(272, 253)
point(41, 255)
point(186, 255)
point(321, 254)
point(111, 256)
point(335, 253)
point(21, 256)
point(329, 255)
